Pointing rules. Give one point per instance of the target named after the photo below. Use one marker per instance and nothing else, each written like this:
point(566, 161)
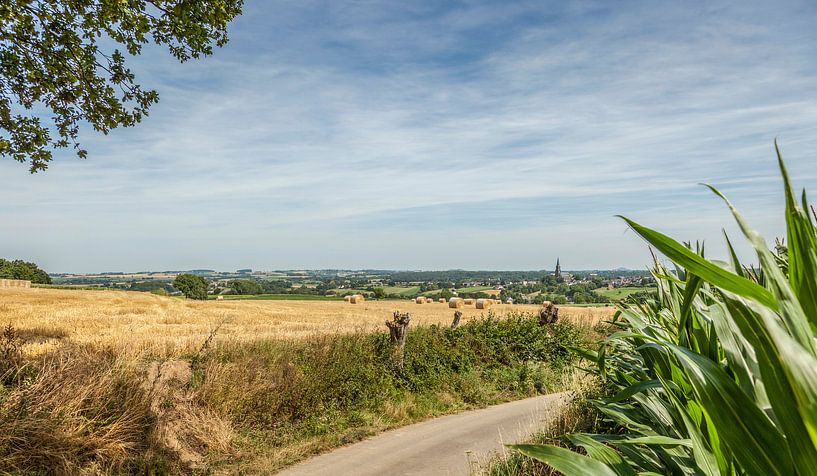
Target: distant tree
point(446, 294)
point(559, 299)
point(59, 62)
point(19, 269)
point(148, 286)
point(192, 286)
point(245, 286)
point(379, 293)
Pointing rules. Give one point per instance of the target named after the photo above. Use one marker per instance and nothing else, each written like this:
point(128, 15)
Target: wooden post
point(398, 327)
point(456, 322)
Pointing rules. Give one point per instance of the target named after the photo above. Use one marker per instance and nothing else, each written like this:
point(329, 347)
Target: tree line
point(19, 269)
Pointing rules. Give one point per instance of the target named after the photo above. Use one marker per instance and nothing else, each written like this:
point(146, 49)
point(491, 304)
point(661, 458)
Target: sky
point(438, 135)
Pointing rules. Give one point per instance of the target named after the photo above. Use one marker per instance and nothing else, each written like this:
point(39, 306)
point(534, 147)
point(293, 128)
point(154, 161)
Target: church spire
point(558, 272)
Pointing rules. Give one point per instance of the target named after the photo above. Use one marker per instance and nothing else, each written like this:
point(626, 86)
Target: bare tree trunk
point(398, 328)
point(456, 322)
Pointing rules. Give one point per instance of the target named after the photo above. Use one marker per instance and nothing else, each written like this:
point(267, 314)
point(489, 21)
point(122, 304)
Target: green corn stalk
point(718, 375)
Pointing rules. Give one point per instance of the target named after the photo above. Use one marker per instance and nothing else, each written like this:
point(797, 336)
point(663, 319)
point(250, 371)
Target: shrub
point(718, 375)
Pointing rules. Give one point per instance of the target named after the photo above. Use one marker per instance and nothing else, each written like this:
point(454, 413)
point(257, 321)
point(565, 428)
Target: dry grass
point(78, 410)
point(137, 323)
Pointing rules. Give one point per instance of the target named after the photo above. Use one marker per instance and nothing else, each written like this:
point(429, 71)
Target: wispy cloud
point(480, 134)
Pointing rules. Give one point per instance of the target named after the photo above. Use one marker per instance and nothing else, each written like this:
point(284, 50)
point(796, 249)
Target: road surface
point(448, 445)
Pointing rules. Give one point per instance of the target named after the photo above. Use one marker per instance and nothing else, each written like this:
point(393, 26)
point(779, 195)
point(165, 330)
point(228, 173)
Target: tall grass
point(718, 376)
point(251, 407)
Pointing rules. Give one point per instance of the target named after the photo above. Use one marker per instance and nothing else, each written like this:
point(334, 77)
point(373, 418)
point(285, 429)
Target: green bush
point(718, 375)
point(273, 383)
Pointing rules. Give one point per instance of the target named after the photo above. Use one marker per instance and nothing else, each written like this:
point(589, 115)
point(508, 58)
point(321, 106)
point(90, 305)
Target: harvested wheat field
point(135, 322)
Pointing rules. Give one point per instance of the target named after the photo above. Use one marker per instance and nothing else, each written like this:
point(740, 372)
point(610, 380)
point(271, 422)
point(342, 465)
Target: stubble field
point(133, 322)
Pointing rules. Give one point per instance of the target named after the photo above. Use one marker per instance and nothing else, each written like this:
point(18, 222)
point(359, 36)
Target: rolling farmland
point(140, 322)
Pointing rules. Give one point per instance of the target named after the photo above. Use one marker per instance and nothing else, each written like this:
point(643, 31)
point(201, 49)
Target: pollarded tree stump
point(549, 314)
point(456, 322)
point(398, 328)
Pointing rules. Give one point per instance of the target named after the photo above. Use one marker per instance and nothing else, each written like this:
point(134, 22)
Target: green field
point(622, 292)
point(279, 297)
point(78, 287)
point(475, 289)
point(345, 292)
point(402, 291)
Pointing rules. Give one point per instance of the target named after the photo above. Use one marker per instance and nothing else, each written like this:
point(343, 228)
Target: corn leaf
point(565, 461)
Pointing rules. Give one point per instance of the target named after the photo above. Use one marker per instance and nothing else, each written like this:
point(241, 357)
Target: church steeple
point(558, 272)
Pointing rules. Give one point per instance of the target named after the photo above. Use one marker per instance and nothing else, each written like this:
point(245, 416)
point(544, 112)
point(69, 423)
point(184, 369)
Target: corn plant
point(718, 375)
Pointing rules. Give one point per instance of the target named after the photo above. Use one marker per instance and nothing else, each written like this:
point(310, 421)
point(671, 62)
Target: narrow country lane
point(448, 445)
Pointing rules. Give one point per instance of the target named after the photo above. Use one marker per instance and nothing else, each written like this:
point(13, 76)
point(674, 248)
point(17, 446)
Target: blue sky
point(436, 135)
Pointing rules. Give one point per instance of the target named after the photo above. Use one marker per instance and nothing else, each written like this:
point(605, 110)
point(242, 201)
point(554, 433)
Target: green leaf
point(754, 440)
point(736, 266)
point(601, 452)
point(701, 448)
point(802, 247)
point(785, 301)
point(657, 440)
point(565, 461)
point(703, 268)
point(633, 389)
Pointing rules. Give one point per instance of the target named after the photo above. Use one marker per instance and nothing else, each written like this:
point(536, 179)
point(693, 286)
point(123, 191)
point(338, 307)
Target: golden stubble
point(142, 323)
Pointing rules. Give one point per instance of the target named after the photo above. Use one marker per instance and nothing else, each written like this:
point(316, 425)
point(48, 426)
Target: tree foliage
point(245, 286)
point(19, 269)
point(64, 57)
point(192, 286)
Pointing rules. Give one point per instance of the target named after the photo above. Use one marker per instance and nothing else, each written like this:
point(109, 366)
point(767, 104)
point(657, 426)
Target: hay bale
point(484, 303)
point(14, 283)
point(455, 303)
point(509, 301)
point(469, 302)
point(219, 298)
point(356, 299)
point(420, 300)
point(347, 298)
point(442, 300)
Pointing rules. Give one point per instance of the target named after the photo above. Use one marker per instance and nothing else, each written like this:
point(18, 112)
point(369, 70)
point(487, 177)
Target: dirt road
point(448, 445)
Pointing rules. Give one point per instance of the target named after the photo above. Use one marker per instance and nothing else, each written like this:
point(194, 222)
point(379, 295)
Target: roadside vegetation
point(718, 374)
point(260, 404)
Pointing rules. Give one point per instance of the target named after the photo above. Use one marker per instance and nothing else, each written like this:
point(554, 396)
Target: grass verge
point(258, 406)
